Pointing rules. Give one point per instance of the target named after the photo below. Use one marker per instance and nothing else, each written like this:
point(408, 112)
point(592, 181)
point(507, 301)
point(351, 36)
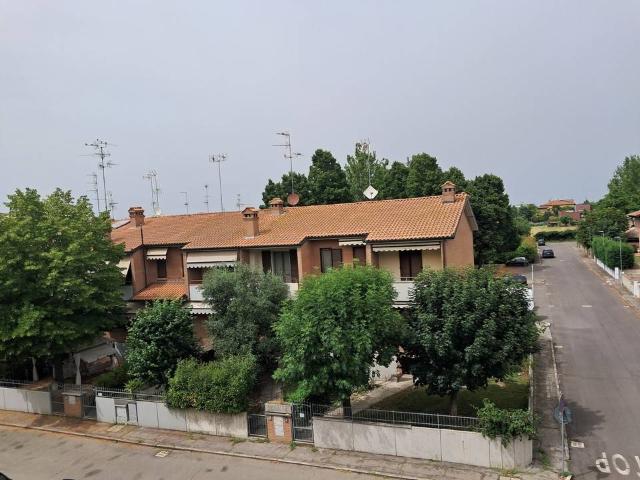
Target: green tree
point(282, 189)
point(602, 220)
point(333, 329)
point(455, 175)
point(624, 187)
point(527, 211)
point(160, 335)
point(497, 232)
point(396, 185)
point(466, 327)
point(358, 167)
point(245, 304)
point(424, 177)
point(60, 286)
point(327, 180)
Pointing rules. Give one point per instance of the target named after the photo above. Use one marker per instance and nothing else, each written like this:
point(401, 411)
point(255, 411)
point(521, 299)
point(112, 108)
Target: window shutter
point(405, 266)
point(416, 263)
point(336, 257)
point(359, 253)
point(266, 261)
point(325, 259)
point(293, 254)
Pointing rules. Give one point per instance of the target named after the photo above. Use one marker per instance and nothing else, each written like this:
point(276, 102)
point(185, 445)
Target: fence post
point(636, 288)
point(616, 273)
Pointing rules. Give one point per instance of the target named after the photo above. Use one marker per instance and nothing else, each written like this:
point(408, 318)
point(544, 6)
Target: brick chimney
point(136, 214)
point(448, 192)
point(250, 220)
point(276, 206)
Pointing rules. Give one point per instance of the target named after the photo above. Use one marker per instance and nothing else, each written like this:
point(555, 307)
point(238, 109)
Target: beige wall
point(458, 251)
point(432, 259)
point(390, 261)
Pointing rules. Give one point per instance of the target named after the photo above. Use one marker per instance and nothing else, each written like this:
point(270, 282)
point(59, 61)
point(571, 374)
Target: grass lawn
point(513, 393)
point(544, 228)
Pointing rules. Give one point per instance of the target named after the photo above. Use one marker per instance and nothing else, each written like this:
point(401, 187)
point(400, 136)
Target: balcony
point(195, 293)
point(293, 288)
point(404, 291)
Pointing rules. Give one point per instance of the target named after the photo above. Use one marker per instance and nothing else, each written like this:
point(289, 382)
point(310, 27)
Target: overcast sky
point(545, 94)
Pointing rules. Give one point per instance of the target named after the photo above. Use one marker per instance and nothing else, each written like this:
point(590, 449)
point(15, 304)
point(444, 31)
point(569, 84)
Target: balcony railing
point(293, 288)
point(195, 293)
point(404, 291)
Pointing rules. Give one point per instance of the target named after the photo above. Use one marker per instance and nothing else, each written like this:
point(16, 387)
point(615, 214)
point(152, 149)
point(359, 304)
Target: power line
point(100, 152)
point(219, 158)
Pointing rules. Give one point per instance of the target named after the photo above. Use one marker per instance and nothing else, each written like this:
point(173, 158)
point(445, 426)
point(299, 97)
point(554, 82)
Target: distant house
point(168, 255)
point(561, 204)
point(633, 233)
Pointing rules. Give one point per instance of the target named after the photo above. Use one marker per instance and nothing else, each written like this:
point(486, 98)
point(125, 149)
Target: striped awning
point(157, 254)
point(346, 242)
point(227, 258)
point(405, 247)
point(124, 265)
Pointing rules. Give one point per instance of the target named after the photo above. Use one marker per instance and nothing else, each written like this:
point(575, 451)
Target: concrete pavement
point(596, 338)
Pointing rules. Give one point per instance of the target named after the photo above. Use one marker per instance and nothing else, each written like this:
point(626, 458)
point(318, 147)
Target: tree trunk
point(58, 373)
point(35, 370)
point(453, 403)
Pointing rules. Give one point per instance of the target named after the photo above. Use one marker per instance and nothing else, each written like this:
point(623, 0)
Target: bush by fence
point(556, 235)
point(507, 424)
point(608, 251)
point(116, 378)
point(222, 386)
point(528, 249)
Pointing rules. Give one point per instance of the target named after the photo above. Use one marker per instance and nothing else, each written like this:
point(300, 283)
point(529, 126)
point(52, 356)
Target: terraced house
point(168, 255)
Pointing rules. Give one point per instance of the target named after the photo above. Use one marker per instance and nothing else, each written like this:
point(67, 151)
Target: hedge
point(556, 235)
point(608, 250)
point(222, 386)
point(116, 378)
point(528, 249)
point(507, 424)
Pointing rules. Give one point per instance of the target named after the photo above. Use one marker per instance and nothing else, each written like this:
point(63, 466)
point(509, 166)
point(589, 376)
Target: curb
point(217, 452)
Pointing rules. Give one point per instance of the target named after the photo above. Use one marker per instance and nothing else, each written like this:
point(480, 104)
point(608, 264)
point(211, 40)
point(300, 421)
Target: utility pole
point(219, 158)
point(100, 152)
point(288, 153)
point(186, 200)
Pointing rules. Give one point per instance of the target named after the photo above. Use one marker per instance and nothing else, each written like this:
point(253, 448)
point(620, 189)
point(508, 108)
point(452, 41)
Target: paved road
point(33, 455)
point(597, 338)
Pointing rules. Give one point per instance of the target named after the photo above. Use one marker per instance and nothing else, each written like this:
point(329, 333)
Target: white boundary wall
point(22, 400)
point(455, 446)
point(158, 415)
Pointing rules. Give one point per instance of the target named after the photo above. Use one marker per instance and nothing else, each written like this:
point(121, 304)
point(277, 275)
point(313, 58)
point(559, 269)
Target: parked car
point(520, 279)
point(541, 242)
point(517, 262)
point(548, 253)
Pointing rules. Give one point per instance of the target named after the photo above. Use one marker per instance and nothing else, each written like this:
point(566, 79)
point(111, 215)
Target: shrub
point(528, 249)
point(608, 250)
point(116, 378)
point(556, 235)
point(504, 423)
point(222, 386)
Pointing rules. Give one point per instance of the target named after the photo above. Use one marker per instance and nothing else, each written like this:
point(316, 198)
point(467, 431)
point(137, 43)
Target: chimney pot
point(250, 220)
point(448, 192)
point(137, 215)
point(276, 206)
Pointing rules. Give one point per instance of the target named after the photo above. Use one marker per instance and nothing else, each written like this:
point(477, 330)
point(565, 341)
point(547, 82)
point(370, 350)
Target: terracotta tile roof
point(384, 220)
point(558, 203)
point(634, 214)
point(162, 291)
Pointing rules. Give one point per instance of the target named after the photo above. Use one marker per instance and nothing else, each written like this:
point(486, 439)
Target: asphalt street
point(33, 455)
point(597, 346)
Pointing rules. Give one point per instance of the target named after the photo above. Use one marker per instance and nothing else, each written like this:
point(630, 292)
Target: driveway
point(597, 345)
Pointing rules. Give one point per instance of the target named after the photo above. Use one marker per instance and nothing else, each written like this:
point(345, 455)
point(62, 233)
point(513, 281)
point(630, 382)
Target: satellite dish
point(370, 192)
point(293, 199)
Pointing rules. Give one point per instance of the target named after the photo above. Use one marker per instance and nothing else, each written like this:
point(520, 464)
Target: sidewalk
point(380, 465)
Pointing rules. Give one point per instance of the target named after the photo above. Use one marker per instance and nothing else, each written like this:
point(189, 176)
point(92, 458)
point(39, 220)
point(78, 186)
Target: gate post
point(279, 422)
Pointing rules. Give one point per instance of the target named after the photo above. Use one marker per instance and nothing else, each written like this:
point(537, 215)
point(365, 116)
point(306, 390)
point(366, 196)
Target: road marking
point(575, 444)
point(558, 346)
point(162, 453)
point(587, 306)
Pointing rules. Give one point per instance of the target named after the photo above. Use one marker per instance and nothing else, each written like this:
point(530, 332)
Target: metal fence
point(257, 425)
point(155, 396)
point(5, 382)
point(433, 420)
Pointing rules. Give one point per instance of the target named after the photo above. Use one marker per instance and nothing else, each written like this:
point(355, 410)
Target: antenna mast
point(206, 196)
point(111, 203)
point(363, 147)
point(186, 200)
point(288, 154)
point(152, 176)
point(219, 158)
point(100, 152)
point(94, 188)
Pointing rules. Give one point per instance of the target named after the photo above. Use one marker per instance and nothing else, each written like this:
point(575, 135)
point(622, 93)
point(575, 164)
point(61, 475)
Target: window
point(360, 255)
point(281, 263)
point(161, 265)
point(410, 264)
point(195, 275)
point(330, 258)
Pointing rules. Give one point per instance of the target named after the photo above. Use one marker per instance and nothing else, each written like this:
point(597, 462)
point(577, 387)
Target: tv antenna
point(292, 199)
point(219, 158)
point(239, 203)
point(152, 176)
point(100, 147)
point(111, 203)
point(186, 200)
point(363, 147)
point(206, 196)
point(94, 188)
